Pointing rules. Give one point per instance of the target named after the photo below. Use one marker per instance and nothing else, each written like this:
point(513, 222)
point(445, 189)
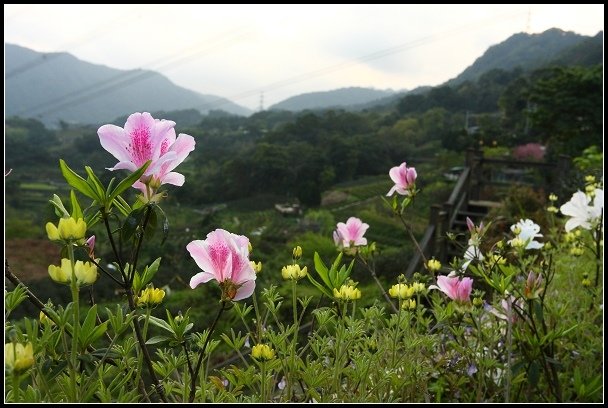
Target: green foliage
point(567, 111)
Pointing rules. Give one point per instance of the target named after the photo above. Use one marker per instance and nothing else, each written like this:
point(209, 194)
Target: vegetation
point(111, 341)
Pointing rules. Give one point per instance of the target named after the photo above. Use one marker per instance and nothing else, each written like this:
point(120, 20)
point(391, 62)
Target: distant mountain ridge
point(53, 87)
point(337, 98)
point(528, 51)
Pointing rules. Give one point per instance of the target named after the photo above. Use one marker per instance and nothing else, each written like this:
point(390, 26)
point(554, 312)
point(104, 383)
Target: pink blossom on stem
point(351, 233)
point(224, 256)
point(144, 138)
point(404, 178)
point(457, 289)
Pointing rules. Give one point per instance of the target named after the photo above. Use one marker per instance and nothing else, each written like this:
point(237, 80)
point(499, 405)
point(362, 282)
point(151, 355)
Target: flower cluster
point(85, 273)
point(347, 292)
point(294, 272)
point(144, 138)
point(224, 257)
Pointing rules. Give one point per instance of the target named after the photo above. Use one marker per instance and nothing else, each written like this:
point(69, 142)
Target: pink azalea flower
point(404, 178)
point(351, 233)
point(145, 138)
point(456, 289)
point(224, 256)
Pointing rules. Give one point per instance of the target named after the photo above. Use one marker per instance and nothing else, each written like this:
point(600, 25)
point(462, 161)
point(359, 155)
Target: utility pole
point(261, 101)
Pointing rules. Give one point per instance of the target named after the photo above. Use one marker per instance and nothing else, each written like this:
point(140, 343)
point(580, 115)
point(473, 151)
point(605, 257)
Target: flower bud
point(18, 357)
point(297, 253)
point(262, 352)
point(294, 272)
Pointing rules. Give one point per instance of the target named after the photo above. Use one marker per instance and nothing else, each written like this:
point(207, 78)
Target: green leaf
point(321, 269)
point(109, 188)
point(122, 206)
point(128, 181)
point(97, 332)
point(165, 224)
point(88, 325)
point(150, 271)
point(76, 210)
point(95, 183)
point(157, 339)
point(533, 374)
point(76, 181)
point(319, 286)
point(151, 225)
point(59, 208)
point(162, 324)
point(131, 223)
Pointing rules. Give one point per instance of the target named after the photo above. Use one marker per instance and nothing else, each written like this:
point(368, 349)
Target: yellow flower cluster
point(433, 265)
point(347, 292)
point(150, 297)
point(257, 267)
point(85, 272)
point(419, 287)
point(18, 357)
point(68, 229)
point(408, 304)
point(262, 352)
point(402, 291)
point(294, 272)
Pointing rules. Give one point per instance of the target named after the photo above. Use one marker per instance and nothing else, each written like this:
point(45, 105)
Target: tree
point(567, 108)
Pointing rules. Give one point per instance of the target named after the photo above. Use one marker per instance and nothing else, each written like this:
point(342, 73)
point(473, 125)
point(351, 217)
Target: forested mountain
point(54, 87)
point(526, 51)
point(337, 98)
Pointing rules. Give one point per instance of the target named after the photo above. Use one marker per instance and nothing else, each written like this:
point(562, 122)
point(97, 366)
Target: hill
point(526, 51)
point(53, 87)
point(337, 98)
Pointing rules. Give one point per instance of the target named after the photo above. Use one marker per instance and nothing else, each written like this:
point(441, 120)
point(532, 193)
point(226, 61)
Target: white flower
point(583, 215)
point(470, 254)
point(528, 230)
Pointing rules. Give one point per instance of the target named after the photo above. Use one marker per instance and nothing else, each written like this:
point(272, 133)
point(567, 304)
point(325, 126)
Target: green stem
point(140, 240)
point(16, 386)
point(121, 266)
point(598, 251)
point(373, 273)
point(257, 319)
point(294, 304)
point(397, 330)
point(75, 325)
point(509, 346)
point(413, 238)
point(142, 344)
point(263, 382)
point(202, 354)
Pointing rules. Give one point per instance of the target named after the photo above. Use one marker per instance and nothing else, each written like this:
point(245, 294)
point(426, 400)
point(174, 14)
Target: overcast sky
point(240, 51)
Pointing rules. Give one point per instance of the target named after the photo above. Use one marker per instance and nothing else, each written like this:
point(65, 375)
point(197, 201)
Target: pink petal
point(115, 141)
point(199, 252)
point(411, 176)
point(181, 148)
point(124, 165)
point(139, 128)
point(447, 285)
point(396, 174)
point(245, 290)
point(173, 178)
point(163, 136)
point(201, 277)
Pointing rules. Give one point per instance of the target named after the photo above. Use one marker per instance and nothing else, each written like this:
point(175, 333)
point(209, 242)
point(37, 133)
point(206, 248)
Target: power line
point(93, 34)
point(58, 104)
point(129, 77)
point(369, 57)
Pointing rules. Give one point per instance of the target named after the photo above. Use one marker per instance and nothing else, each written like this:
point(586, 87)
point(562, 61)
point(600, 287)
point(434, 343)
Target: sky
point(258, 55)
